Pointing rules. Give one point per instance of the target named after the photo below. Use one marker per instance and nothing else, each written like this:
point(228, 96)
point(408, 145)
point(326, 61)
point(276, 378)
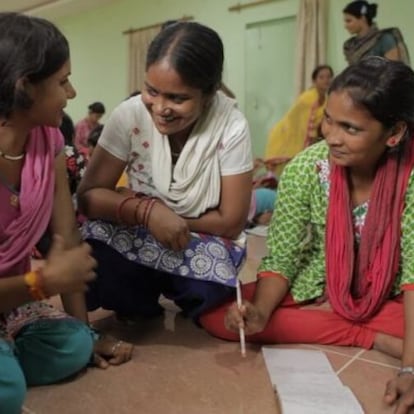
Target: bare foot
point(388, 344)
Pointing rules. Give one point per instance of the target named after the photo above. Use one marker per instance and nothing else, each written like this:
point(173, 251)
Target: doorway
point(269, 68)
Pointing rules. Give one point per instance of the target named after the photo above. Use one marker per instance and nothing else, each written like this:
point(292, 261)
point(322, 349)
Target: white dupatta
point(194, 185)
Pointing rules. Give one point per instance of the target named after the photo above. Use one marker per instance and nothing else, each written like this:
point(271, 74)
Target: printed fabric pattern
point(208, 258)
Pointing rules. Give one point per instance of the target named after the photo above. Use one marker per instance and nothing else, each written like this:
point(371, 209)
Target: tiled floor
point(178, 369)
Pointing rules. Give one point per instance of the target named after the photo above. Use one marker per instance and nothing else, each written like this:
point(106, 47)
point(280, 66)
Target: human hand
point(400, 390)
point(111, 351)
point(67, 270)
point(247, 316)
point(168, 228)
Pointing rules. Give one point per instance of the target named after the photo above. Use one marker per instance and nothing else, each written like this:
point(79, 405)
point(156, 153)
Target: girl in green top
point(340, 267)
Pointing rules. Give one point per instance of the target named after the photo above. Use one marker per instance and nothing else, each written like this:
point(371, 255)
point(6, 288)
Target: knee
point(12, 395)
point(213, 322)
point(12, 387)
point(63, 352)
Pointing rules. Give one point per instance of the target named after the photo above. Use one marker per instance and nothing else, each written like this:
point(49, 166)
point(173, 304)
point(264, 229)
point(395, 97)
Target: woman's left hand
point(400, 390)
point(111, 351)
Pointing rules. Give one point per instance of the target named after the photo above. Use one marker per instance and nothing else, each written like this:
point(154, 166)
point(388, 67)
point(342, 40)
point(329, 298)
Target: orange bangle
point(33, 281)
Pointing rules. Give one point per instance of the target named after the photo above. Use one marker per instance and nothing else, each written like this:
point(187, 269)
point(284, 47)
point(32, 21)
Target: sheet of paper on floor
point(306, 383)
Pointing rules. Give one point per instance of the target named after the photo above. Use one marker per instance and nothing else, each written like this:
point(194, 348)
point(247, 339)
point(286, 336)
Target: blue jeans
point(44, 352)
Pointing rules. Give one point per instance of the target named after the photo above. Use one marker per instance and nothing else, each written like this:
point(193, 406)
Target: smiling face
point(354, 137)
point(50, 97)
point(173, 105)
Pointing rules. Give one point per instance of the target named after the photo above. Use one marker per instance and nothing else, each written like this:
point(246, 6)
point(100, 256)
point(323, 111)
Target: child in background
point(84, 127)
point(261, 206)
point(92, 141)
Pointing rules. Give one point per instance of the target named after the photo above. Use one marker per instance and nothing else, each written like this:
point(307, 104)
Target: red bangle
point(120, 206)
point(148, 211)
point(140, 201)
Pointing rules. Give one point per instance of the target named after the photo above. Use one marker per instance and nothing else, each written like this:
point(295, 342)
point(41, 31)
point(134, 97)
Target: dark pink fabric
point(22, 227)
point(358, 283)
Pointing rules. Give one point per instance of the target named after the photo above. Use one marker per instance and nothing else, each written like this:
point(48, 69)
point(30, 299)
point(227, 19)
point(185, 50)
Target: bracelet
point(148, 211)
point(119, 208)
point(405, 370)
point(34, 282)
point(140, 201)
point(145, 213)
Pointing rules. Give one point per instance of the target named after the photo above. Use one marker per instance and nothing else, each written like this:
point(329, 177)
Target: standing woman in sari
point(367, 39)
point(299, 128)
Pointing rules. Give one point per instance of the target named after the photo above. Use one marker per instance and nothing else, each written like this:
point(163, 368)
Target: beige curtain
point(311, 41)
point(139, 41)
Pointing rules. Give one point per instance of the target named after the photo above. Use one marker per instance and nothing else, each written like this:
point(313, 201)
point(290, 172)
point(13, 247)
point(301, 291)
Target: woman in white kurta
point(178, 229)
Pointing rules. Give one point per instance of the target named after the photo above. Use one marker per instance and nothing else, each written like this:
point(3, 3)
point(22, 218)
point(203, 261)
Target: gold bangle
point(33, 281)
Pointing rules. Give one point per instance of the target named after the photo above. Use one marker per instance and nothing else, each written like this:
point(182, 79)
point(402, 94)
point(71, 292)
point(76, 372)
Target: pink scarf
point(359, 283)
point(35, 199)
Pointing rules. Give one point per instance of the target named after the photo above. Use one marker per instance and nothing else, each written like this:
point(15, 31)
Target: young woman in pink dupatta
point(39, 344)
point(340, 267)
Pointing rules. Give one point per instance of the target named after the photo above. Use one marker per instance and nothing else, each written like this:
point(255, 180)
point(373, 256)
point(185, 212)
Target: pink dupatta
point(359, 283)
point(35, 199)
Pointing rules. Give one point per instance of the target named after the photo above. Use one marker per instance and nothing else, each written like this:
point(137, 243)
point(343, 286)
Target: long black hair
point(31, 48)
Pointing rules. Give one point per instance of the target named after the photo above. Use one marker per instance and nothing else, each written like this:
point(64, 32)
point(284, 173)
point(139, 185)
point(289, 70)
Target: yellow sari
point(295, 131)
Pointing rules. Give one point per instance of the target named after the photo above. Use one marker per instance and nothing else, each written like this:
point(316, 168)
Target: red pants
point(293, 323)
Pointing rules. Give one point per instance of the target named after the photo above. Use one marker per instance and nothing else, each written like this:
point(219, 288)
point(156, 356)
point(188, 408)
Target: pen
point(241, 330)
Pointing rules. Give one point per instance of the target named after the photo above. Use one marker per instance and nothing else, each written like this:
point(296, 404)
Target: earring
point(393, 141)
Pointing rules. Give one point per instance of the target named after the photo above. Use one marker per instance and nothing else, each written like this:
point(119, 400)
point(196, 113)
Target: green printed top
point(296, 238)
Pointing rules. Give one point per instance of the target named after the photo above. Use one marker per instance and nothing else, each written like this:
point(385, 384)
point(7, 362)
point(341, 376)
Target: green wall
point(99, 50)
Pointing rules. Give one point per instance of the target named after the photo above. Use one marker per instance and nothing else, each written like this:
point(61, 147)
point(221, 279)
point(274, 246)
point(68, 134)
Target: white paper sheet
point(306, 383)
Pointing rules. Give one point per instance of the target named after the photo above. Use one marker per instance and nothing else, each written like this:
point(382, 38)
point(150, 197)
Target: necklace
point(12, 157)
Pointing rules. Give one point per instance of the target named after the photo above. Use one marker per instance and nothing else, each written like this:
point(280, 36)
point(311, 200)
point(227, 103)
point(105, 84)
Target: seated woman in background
point(75, 162)
point(367, 39)
point(188, 155)
point(84, 127)
point(340, 268)
point(299, 127)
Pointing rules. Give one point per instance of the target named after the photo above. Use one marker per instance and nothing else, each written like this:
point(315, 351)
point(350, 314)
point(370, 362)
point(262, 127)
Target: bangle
point(34, 282)
point(140, 201)
point(119, 208)
point(405, 370)
point(148, 211)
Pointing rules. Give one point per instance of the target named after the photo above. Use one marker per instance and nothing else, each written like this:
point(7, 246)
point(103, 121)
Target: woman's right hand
point(68, 270)
point(248, 316)
point(168, 228)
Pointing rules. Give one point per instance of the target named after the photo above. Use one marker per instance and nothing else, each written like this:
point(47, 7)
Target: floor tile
point(180, 372)
point(380, 358)
point(343, 350)
point(368, 380)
